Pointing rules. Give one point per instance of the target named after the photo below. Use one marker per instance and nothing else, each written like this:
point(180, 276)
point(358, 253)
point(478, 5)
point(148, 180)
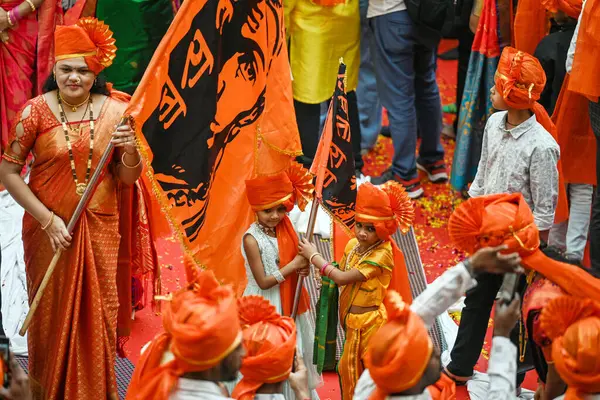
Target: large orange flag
point(214, 108)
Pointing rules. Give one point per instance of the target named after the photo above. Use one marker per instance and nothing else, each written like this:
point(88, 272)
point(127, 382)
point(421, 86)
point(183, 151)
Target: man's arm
point(543, 179)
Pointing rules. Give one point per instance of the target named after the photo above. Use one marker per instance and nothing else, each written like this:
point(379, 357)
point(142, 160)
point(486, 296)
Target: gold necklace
point(74, 107)
point(367, 252)
point(267, 231)
point(79, 186)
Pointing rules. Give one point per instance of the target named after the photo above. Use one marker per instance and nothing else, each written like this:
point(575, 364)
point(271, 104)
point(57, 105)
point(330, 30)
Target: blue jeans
point(405, 71)
point(369, 106)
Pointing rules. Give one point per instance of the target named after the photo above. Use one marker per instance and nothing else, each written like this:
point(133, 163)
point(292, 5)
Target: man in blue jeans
point(407, 87)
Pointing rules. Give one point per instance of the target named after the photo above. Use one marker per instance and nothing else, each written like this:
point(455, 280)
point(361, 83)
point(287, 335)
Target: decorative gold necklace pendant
point(80, 188)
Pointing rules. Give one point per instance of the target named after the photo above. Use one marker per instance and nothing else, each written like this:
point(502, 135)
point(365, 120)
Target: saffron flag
point(214, 108)
point(333, 166)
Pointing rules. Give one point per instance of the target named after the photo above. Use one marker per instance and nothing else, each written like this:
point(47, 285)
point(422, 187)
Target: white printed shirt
point(520, 160)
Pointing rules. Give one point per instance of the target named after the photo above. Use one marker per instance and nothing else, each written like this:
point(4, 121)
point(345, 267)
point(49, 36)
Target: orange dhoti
point(72, 338)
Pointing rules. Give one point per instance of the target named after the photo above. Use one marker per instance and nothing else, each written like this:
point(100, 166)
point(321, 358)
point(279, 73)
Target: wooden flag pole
point(87, 194)
point(309, 235)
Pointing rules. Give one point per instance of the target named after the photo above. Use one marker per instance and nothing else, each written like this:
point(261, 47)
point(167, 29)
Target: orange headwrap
point(90, 39)
point(519, 79)
point(294, 186)
point(270, 342)
point(573, 325)
point(201, 329)
point(585, 79)
point(400, 350)
point(507, 219)
point(388, 208)
point(570, 7)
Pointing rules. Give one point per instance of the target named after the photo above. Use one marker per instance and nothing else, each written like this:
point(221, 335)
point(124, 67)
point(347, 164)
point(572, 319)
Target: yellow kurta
point(376, 266)
point(319, 37)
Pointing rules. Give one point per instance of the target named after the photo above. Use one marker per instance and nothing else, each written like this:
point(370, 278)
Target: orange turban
point(287, 187)
point(570, 7)
point(90, 39)
point(499, 219)
point(270, 342)
point(399, 352)
point(201, 329)
point(573, 325)
point(519, 79)
point(388, 208)
point(294, 186)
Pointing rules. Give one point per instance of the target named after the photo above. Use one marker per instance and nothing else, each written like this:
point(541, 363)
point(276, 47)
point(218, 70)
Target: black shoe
point(385, 131)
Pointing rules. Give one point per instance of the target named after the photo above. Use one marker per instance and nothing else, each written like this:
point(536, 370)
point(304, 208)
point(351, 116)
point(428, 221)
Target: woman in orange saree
point(26, 29)
point(72, 339)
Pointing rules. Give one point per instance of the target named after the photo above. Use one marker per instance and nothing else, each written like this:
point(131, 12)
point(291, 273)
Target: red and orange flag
point(214, 108)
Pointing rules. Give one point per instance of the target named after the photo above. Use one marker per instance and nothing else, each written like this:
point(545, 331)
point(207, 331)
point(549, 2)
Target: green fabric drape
point(138, 27)
point(326, 329)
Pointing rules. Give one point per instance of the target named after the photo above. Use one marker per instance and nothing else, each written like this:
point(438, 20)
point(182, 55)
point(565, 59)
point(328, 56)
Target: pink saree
point(19, 79)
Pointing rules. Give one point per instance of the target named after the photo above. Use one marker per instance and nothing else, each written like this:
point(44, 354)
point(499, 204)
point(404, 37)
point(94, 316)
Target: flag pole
point(87, 194)
point(309, 236)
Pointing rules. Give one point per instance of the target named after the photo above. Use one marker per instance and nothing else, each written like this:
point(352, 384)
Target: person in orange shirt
point(583, 62)
point(372, 263)
point(200, 347)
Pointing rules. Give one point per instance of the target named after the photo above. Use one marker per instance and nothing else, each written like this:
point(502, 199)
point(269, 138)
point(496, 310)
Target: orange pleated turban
point(520, 78)
point(388, 208)
point(499, 219)
point(90, 39)
point(570, 7)
point(201, 329)
point(287, 187)
point(573, 325)
point(400, 351)
point(270, 342)
point(293, 186)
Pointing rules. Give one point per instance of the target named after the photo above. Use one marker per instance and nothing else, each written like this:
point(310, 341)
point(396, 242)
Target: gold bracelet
point(49, 221)
point(130, 166)
point(313, 256)
point(10, 22)
point(31, 5)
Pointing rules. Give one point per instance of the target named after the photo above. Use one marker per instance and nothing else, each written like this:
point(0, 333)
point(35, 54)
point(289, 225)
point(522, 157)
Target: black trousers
point(473, 325)
point(465, 42)
point(595, 222)
point(308, 117)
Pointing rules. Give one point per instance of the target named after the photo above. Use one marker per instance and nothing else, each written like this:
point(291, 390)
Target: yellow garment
point(376, 266)
point(319, 37)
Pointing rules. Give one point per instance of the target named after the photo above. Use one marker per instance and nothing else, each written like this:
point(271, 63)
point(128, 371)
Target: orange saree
point(72, 340)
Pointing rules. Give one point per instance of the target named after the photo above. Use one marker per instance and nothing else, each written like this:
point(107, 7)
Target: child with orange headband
point(372, 263)
point(270, 250)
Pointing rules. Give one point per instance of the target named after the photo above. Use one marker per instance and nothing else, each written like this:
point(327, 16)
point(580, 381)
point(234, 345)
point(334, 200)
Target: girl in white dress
point(270, 250)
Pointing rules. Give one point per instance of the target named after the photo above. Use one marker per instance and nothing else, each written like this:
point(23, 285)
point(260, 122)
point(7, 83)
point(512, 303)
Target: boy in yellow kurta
point(372, 263)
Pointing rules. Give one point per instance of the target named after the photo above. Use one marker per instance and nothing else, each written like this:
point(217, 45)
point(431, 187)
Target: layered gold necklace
point(79, 186)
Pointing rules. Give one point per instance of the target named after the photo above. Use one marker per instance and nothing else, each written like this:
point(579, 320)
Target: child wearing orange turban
point(372, 263)
point(518, 155)
point(573, 325)
point(270, 250)
point(270, 342)
point(202, 337)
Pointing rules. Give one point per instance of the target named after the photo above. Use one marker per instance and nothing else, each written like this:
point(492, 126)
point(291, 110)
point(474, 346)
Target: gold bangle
point(10, 22)
point(31, 5)
point(130, 166)
point(49, 221)
point(313, 256)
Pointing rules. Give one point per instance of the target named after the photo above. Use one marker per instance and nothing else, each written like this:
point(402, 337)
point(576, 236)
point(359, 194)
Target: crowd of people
point(528, 114)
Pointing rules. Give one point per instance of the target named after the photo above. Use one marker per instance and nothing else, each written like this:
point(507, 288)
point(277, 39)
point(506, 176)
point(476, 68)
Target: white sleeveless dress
point(269, 253)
